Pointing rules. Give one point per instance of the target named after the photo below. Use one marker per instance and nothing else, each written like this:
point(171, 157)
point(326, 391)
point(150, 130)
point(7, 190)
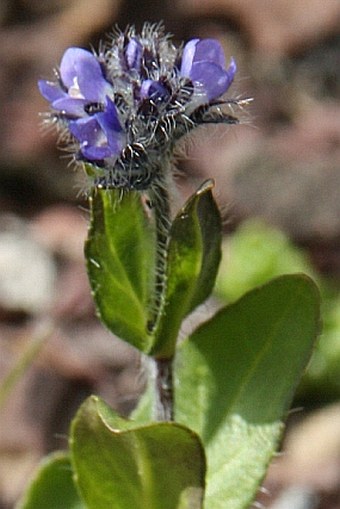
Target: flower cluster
point(127, 106)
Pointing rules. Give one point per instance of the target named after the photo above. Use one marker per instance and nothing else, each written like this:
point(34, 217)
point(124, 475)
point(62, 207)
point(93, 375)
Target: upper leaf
point(235, 379)
point(119, 465)
point(119, 254)
point(194, 254)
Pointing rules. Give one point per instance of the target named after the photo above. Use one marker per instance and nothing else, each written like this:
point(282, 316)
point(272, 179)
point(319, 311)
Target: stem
point(164, 410)
point(160, 200)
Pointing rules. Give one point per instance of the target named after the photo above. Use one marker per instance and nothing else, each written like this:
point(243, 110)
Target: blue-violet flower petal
point(93, 141)
point(154, 90)
point(110, 124)
point(50, 90)
point(209, 50)
point(133, 54)
point(214, 80)
point(203, 62)
point(70, 106)
point(81, 73)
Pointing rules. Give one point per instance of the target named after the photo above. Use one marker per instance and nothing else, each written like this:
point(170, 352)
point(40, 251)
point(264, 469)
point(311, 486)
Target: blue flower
point(203, 61)
point(83, 96)
point(126, 108)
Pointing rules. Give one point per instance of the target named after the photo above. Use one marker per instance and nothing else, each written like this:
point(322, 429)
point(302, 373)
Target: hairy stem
point(164, 410)
point(160, 201)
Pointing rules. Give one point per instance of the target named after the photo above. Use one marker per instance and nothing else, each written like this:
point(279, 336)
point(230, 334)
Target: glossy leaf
point(234, 382)
point(118, 465)
point(119, 254)
point(235, 379)
point(193, 258)
point(53, 486)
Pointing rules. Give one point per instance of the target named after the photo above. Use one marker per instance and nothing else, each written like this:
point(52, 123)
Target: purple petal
point(209, 50)
point(151, 89)
point(188, 57)
point(81, 68)
point(93, 142)
point(232, 69)
point(85, 130)
point(93, 153)
point(50, 90)
point(94, 88)
point(144, 90)
point(110, 124)
point(69, 63)
point(214, 80)
point(73, 107)
point(133, 54)
point(109, 118)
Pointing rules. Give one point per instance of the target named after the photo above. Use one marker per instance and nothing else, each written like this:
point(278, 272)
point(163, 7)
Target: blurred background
point(277, 182)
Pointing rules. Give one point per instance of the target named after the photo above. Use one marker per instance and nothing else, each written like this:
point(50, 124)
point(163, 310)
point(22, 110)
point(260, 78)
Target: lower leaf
point(121, 466)
point(235, 380)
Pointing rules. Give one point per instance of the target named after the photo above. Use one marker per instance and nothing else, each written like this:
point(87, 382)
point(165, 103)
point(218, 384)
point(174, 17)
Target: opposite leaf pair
point(120, 261)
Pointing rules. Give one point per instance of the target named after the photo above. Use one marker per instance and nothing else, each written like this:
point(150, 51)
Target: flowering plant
point(210, 420)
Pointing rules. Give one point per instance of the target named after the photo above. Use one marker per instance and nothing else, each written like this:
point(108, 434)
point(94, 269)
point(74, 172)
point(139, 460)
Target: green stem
point(160, 201)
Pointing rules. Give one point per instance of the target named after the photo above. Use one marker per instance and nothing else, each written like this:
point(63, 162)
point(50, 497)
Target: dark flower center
point(93, 108)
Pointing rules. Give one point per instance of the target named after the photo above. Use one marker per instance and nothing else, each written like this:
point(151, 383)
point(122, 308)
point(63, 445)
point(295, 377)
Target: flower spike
point(126, 108)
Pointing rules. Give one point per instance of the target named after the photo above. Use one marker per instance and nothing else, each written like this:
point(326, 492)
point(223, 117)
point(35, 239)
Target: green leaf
point(53, 486)
point(194, 254)
point(119, 254)
point(121, 466)
point(235, 379)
